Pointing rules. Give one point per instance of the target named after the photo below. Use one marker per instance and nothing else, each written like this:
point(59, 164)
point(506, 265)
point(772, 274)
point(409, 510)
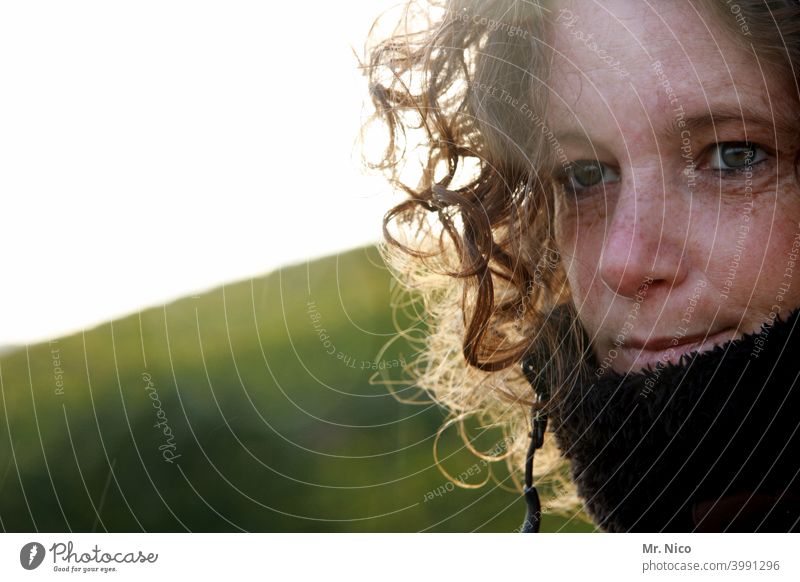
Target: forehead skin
point(605, 58)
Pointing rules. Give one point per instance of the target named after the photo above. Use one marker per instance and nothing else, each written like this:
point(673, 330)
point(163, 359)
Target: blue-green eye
point(730, 156)
point(585, 174)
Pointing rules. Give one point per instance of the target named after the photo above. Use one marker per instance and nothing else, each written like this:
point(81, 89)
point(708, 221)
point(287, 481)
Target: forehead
point(636, 61)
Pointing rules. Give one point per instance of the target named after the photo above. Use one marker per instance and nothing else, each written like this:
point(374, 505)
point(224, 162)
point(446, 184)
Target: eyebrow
point(780, 122)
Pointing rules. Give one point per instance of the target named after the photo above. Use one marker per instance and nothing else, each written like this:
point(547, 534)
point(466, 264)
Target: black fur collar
point(710, 444)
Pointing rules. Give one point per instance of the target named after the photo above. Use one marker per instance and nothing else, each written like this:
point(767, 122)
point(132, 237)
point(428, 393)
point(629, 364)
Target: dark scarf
point(710, 444)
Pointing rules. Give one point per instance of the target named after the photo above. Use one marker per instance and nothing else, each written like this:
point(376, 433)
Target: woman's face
point(680, 217)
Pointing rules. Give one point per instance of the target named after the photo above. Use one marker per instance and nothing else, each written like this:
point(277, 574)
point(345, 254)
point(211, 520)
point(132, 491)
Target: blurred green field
point(246, 408)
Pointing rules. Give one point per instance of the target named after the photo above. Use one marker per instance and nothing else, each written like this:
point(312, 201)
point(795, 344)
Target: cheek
point(753, 262)
point(579, 237)
point(777, 284)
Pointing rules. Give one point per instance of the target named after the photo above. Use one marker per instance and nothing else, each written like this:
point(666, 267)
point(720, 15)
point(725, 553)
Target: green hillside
point(248, 407)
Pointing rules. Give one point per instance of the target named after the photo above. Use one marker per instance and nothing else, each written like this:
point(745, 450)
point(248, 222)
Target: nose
point(645, 237)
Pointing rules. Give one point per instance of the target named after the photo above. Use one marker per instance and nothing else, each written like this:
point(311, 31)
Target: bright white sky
point(156, 148)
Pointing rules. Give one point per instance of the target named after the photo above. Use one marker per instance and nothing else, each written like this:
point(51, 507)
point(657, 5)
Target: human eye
point(732, 157)
point(583, 175)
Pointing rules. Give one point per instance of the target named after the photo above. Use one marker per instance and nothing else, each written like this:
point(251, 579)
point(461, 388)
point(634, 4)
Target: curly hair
point(474, 237)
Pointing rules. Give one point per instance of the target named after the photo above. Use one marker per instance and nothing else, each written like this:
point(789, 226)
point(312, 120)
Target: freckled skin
point(719, 245)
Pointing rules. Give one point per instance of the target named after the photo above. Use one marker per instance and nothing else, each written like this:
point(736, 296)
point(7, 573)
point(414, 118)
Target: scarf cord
point(533, 514)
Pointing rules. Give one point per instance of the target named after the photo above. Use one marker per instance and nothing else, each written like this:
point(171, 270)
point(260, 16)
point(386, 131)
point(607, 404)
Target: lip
point(653, 350)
